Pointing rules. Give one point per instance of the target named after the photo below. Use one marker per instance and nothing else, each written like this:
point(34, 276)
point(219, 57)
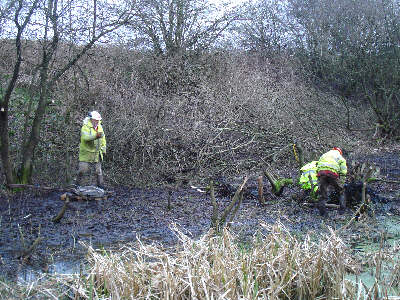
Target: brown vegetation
point(276, 266)
point(178, 108)
point(222, 114)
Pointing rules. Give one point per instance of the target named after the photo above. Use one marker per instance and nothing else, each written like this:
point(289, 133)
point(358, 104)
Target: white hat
point(95, 115)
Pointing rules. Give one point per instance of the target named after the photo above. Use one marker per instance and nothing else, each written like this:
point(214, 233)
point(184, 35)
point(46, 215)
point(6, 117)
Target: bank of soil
point(131, 213)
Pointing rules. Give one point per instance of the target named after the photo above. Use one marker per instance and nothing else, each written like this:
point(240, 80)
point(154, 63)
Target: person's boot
point(100, 182)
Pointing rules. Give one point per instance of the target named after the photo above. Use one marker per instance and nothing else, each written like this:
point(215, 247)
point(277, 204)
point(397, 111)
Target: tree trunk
point(4, 103)
point(29, 150)
point(4, 145)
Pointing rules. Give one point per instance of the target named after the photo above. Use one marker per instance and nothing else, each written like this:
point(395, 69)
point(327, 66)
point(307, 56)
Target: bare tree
point(352, 48)
point(174, 26)
point(21, 20)
point(52, 24)
point(264, 28)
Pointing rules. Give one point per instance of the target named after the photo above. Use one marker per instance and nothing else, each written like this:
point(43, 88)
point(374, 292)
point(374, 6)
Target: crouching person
point(92, 148)
point(308, 180)
point(330, 167)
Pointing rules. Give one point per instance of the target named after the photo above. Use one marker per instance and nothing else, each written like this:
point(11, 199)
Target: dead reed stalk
point(275, 266)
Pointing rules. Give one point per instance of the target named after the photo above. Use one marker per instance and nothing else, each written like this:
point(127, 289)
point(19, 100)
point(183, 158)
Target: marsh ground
point(133, 213)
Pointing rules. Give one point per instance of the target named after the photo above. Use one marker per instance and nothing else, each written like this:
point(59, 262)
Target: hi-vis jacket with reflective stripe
point(90, 148)
point(332, 161)
point(307, 170)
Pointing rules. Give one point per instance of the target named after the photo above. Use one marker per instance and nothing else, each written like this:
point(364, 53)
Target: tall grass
point(278, 265)
point(274, 266)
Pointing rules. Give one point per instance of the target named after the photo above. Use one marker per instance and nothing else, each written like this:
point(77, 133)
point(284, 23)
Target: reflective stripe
point(332, 161)
point(325, 164)
point(305, 182)
point(87, 134)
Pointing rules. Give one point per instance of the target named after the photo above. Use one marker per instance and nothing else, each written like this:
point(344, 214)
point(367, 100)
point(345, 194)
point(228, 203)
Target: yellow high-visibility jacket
point(307, 170)
point(332, 161)
point(90, 148)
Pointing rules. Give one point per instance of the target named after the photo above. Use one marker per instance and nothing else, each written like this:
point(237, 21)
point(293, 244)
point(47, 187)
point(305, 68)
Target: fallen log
point(31, 186)
point(77, 193)
point(75, 197)
point(73, 189)
point(329, 205)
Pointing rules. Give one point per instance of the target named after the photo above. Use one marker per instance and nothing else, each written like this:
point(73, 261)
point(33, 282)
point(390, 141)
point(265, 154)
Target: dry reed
point(274, 266)
point(277, 265)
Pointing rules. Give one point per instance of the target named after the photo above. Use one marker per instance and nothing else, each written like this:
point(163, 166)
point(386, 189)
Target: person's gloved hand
point(99, 135)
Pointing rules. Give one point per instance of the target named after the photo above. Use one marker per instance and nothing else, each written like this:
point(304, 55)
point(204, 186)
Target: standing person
point(330, 167)
point(92, 148)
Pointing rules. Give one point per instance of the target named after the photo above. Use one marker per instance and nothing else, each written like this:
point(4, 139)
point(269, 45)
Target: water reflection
point(28, 274)
point(381, 275)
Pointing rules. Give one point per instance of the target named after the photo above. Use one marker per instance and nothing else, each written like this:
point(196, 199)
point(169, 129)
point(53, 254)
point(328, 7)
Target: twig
point(22, 237)
point(351, 220)
point(62, 212)
point(214, 217)
point(236, 208)
point(270, 177)
point(169, 199)
point(235, 199)
point(28, 251)
point(216, 222)
point(364, 187)
point(261, 198)
point(231, 148)
point(274, 156)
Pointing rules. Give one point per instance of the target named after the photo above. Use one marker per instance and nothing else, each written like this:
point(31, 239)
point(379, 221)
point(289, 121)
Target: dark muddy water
point(131, 213)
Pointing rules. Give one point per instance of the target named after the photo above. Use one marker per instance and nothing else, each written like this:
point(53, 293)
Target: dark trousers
point(324, 181)
point(85, 168)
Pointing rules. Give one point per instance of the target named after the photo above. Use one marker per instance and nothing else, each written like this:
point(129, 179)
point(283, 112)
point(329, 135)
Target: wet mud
point(132, 213)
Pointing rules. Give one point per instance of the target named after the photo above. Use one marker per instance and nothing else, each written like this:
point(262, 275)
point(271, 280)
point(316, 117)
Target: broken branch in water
point(329, 205)
point(62, 212)
point(28, 251)
point(218, 223)
point(261, 198)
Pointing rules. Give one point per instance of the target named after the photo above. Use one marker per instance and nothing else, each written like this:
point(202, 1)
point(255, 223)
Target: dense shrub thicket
point(173, 102)
point(220, 113)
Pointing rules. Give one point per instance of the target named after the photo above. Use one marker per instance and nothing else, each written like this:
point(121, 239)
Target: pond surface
point(29, 274)
point(144, 213)
point(388, 245)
